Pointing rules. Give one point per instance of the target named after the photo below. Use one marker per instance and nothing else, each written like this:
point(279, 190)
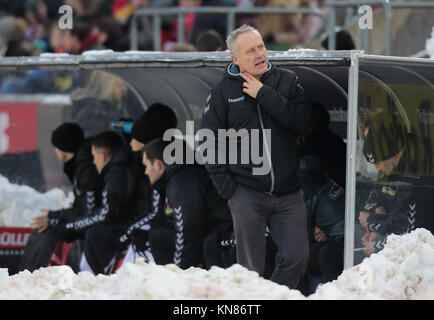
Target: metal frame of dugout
point(333, 78)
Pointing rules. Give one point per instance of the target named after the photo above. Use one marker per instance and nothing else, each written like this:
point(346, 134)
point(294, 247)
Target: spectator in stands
point(124, 198)
point(89, 10)
point(36, 33)
point(344, 41)
point(99, 102)
point(275, 28)
point(59, 41)
point(144, 23)
point(109, 35)
point(169, 33)
point(325, 208)
point(80, 38)
point(123, 9)
point(53, 8)
point(209, 21)
point(210, 40)
point(74, 152)
point(272, 198)
point(306, 29)
point(326, 145)
point(12, 30)
point(182, 47)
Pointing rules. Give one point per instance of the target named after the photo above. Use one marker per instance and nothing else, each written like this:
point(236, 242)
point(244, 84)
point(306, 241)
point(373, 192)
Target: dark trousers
point(38, 251)
point(326, 259)
point(100, 245)
point(215, 254)
point(162, 242)
point(285, 216)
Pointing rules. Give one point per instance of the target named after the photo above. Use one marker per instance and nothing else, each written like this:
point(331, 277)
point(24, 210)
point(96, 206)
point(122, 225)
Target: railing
point(387, 5)
point(230, 12)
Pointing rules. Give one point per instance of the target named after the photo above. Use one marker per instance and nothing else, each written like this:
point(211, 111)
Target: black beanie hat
point(153, 123)
point(68, 137)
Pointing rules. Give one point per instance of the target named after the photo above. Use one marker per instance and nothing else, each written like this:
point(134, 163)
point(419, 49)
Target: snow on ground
point(404, 269)
point(429, 46)
point(19, 203)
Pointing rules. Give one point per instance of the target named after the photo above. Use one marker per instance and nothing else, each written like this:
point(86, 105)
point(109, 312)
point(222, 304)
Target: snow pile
point(403, 270)
point(142, 281)
point(429, 46)
point(20, 203)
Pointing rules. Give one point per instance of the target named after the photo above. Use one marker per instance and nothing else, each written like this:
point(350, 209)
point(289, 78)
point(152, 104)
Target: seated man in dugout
point(325, 208)
point(398, 203)
point(123, 198)
point(152, 124)
point(74, 151)
point(188, 209)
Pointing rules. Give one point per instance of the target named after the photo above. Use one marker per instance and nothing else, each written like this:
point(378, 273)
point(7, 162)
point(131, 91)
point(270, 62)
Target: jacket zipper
point(267, 149)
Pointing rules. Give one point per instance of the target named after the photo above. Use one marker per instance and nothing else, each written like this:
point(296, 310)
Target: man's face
point(62, 155)
point(154, 171)
point(100, 158)
point(136, 145)
point(252, 55)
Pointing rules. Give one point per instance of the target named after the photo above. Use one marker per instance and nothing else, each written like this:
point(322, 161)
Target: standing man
point(254, 94)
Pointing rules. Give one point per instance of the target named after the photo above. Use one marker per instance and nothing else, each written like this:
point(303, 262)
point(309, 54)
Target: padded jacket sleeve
point(214, 118)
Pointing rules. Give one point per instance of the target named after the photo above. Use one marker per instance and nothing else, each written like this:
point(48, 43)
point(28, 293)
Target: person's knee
point(296, 259)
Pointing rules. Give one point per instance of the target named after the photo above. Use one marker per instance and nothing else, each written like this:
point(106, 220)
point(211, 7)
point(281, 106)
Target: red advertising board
point(14, 238)
point(18, 127)
point(13, 241)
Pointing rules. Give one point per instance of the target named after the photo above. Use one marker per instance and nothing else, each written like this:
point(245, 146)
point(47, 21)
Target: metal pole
point(181, 25)
point(156, 32)
point(368, 40)
point(359, 40)
point(230, 22)
point(133, 34)
point(389, 27)
point(331, 29)
point(350, 192)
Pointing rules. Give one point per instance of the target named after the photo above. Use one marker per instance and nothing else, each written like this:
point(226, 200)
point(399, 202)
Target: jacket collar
point(234, 71)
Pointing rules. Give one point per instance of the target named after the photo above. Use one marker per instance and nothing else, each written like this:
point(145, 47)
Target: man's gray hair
point(231, 40)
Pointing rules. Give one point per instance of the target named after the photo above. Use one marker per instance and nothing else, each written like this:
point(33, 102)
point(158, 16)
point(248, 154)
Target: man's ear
point(235, 59)
point(159, 165)
point(105, 155)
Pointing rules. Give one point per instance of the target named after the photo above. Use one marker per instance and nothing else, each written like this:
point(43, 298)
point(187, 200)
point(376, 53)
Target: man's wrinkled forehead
point(245, 41)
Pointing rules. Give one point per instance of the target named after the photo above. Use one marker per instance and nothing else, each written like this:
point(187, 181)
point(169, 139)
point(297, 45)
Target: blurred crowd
point(31, 27)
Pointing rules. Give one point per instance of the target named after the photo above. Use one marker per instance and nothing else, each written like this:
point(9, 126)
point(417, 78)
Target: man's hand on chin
point(252, 85)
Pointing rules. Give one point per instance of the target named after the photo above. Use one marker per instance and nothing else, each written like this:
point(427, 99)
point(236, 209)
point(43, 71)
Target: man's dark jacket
point(125, 195)
point(86, 183)
point(84, 177)
point(188, 204)
point(280, 106)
